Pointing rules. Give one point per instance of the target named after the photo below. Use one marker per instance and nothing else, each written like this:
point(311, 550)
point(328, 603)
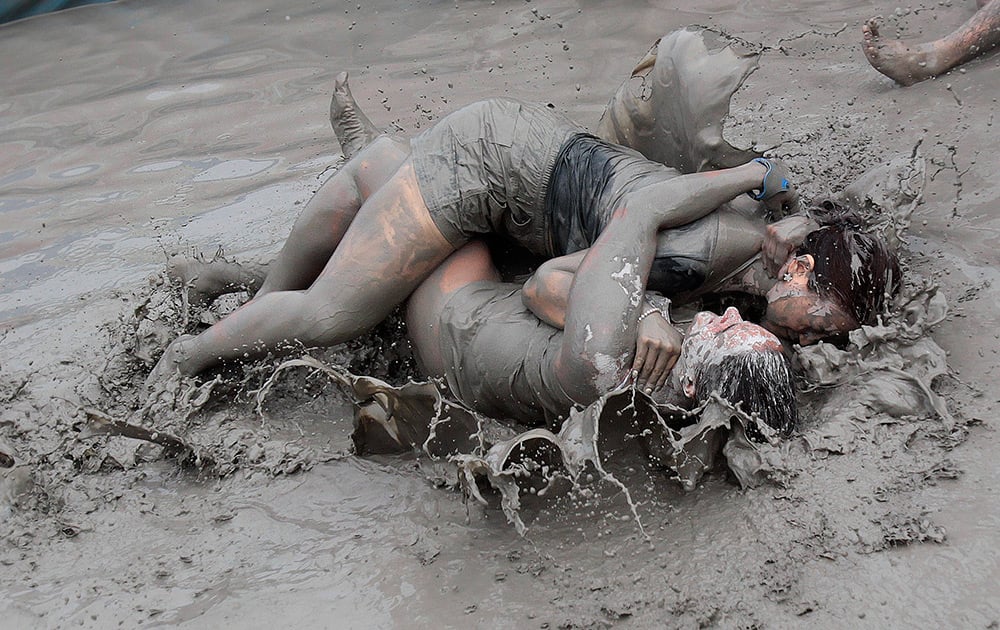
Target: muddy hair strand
point(761, 382)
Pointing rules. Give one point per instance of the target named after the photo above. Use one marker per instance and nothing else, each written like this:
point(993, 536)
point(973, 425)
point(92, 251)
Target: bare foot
point(168, 366)
point(192, 273)
point(352, 127)
point(205, 280)
point(903, 64)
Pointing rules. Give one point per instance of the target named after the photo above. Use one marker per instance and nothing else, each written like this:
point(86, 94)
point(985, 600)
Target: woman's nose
point(731, 315)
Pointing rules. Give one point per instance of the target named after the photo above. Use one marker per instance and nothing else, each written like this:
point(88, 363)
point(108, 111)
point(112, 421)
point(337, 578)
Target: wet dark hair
point(760, 382)
point(852, 266)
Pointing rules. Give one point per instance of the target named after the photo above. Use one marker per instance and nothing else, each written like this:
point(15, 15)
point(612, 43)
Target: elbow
point(586, 378)
point(529, 292)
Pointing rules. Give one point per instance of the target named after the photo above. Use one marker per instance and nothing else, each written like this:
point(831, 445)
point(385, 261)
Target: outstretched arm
point(677, 201)
point(690, 197)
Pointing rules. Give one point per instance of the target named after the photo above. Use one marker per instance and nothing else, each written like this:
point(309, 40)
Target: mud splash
point(99, 181)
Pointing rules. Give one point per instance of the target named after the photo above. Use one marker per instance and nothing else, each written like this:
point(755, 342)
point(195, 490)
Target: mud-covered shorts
point(485, 168)
point(498, 357)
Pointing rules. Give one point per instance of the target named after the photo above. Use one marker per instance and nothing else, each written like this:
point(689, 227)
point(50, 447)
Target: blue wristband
point(764, 192)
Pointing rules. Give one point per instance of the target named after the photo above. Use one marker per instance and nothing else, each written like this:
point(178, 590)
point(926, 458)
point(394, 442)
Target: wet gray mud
point(132, 131)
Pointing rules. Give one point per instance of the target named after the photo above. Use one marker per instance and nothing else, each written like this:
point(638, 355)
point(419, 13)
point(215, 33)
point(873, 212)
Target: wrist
point(655, 303)
point(761, 168)
point(811, 224)
point(646, 312)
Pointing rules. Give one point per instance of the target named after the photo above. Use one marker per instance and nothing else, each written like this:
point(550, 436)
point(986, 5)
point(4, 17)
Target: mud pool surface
point(131, 131)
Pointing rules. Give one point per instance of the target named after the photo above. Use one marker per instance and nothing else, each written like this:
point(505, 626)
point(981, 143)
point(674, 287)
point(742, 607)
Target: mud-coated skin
point(590, 179)
point(483, 168)
point(376, 230)
point(907, 64)
point(519, 361)
point(367, 241)
point(498, 358)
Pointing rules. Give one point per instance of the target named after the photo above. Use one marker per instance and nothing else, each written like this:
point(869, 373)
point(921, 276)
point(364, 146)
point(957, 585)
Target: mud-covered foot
point(903, 64)
point(352, 127)
point(195, 278)
point(205, 280)
point(168, 366)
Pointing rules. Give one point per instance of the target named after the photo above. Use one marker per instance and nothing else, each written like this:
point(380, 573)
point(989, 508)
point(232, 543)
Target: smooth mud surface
point(132, 131)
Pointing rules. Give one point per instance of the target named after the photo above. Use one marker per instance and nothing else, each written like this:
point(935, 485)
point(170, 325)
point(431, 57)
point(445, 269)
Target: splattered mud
point(135, 130)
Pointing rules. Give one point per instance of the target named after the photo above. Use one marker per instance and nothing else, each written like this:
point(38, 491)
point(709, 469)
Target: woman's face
point(799, 314)
point(712, 337)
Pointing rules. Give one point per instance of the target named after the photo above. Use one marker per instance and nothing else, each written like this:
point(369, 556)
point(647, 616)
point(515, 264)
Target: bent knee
point(386, 150)
point(377, 163)
point(391, 146)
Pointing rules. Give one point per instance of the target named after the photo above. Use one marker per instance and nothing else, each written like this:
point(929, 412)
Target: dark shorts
point(499, 358)
point(590, 180)
point(485, 169)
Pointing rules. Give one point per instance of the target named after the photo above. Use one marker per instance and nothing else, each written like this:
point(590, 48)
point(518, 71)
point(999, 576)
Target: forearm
point(546, 293)
point(605, 301)
point(687, 198)
point(549, 301)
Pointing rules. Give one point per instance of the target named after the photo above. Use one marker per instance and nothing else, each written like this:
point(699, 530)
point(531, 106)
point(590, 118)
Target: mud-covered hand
point(658, 344)
point(776, 190)
point(781, 238)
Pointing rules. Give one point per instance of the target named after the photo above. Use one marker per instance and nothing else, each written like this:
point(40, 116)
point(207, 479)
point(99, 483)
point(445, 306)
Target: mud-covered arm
point(767, 181)
point(606, 294)
point(783, 237)
point(546, 293)
point(677, 202)
point(658, 343)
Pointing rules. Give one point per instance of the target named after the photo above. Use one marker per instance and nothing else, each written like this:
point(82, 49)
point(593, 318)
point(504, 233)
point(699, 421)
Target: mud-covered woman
point(394, 212)
point(473, 331)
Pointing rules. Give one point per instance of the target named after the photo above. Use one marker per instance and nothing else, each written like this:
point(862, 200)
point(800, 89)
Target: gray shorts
point(485, 169)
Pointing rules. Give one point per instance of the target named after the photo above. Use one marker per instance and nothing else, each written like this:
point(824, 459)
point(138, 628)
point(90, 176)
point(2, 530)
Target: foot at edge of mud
point(167, 366)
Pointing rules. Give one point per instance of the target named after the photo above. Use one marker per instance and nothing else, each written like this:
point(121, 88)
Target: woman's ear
point(687, 385)
point(803, 264)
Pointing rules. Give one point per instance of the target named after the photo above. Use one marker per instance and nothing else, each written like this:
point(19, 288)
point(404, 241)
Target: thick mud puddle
point(132, 131)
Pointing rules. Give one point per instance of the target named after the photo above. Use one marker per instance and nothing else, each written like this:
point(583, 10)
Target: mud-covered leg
point(389, 248)
point(322, 223)
point(321, 226)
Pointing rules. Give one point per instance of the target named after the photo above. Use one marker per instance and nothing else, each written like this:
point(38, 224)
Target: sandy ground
point(134, 130)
